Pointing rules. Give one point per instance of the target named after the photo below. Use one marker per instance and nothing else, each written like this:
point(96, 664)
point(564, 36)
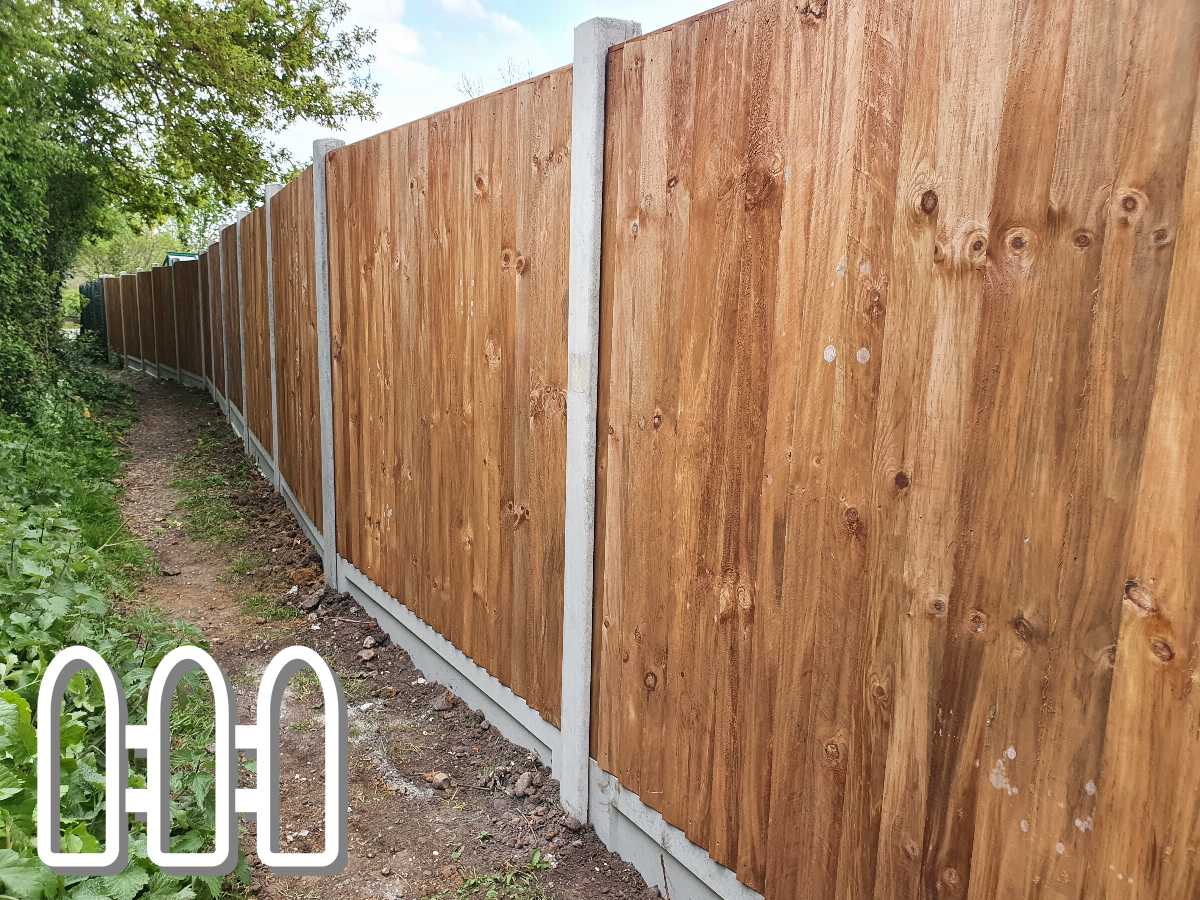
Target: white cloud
point(476, 10)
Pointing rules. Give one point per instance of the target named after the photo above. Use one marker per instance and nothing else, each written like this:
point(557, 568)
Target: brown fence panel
point(186, 277)
point(216, 317)
point(296, 342)
point(882, 287)
point(231, 310)
point(112, 313)
point(253, 249)
point(130, 316)
point(164, 317)
point(448, 251)
point(146, 317)
point(205, 315)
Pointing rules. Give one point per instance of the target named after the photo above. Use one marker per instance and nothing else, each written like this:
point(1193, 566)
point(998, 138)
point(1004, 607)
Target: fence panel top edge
point(472, 101)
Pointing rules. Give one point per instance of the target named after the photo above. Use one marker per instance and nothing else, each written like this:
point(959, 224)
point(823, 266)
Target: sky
point(424, 47)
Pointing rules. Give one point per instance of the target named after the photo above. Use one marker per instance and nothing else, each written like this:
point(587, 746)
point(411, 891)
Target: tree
point(153, 109)
point(511, 72)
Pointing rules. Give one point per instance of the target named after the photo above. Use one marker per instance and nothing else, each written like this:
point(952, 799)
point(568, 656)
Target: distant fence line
point(779, 422)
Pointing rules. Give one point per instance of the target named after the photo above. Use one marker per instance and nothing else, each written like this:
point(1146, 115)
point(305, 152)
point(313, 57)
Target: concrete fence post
point(268, 192)
point(241, 314)
point(321, 149)
point(592, 41)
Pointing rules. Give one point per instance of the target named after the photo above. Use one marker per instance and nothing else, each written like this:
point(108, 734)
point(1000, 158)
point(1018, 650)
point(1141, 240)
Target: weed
point(263, 607)
point(64, 556)
point(246, 563)
point(514, 882)
point(210, 484)
point(304, 685)
point(356, 690)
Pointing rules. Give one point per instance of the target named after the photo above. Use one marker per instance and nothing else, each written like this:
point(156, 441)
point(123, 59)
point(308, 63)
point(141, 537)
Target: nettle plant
point(63, 553)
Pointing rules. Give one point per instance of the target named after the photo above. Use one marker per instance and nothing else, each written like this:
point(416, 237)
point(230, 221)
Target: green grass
point(513, 882)
point(246, 562)
point(210, 483)
point(260, 606)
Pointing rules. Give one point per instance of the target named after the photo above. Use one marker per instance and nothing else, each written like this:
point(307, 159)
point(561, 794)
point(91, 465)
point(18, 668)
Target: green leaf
point(27, 878)
point(92, 889)
point(127, 885)
point(16, 723)
point(11, 784)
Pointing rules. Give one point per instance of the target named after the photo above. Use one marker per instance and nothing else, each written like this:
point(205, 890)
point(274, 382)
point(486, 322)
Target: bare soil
point(412, 832)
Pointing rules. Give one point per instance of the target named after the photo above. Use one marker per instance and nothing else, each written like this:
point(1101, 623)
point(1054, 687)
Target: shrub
point(22, 374)
point(65, 561)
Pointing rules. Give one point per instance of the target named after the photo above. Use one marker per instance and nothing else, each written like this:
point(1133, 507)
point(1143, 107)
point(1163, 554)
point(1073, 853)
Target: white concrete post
point(592, 41)
point(241, 312)
point(268, 192)
point(321, 149)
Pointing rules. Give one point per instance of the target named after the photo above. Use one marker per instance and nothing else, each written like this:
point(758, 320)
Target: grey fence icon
point(260, 739)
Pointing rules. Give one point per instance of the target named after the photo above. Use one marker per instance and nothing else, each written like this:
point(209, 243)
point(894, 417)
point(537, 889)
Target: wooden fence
point(110, 287)
point(252, 262)
point(448, 257)
point(231, 314)
point(186, 293)
point(298, 401)
point(896, 435)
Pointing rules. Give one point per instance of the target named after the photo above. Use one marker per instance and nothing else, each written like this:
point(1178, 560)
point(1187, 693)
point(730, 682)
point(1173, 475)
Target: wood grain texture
point(216, 316)
point(205, 315)
point(111, 286)
point(147, 319)
point(293, 261)
point(132, 321)
point(231, 301)
point(448, 247)
point(186, 277)
point(164, 317)
point(897, 512)
point(252, 246)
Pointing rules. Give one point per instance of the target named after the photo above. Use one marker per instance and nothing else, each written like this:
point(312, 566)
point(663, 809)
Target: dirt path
point(414, 833)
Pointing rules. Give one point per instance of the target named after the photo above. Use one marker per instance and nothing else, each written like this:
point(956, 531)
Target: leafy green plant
point(65, 562)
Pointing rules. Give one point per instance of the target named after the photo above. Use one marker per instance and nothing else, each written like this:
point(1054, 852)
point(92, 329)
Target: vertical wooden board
point(204, 314)
point(147, 320)
point(252, 249)
point(448, 295)
point(164, 317)
point(231, 306)
point(1147, 827)
point(112, 314)
point(131, 318)
point(296, 342)
point(542, 291)
point(910, 399)
point(185, 276)
point(216, 310)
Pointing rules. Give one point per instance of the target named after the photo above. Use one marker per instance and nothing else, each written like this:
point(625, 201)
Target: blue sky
point(424, 47)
